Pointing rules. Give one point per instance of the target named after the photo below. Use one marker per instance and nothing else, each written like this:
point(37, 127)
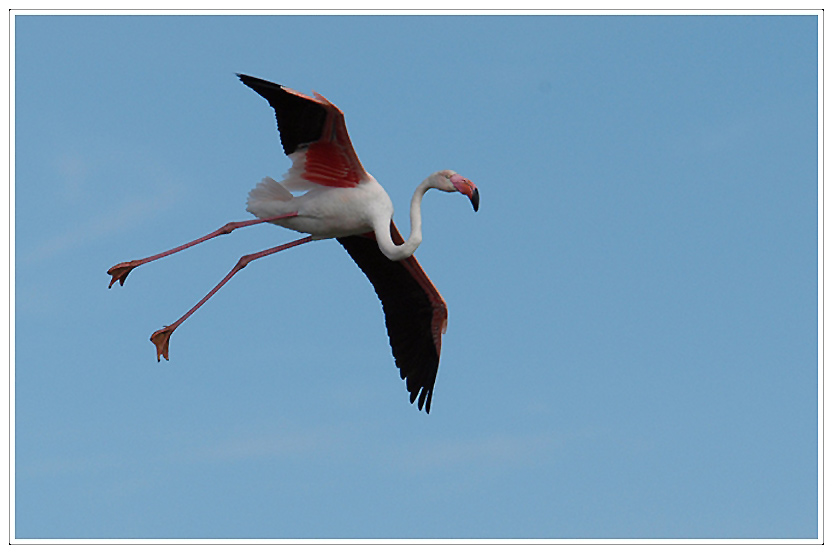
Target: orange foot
point(161, 338)
point(119, 272)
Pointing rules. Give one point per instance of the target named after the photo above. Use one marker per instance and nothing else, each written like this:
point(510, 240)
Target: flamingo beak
point(464, 186)
point(475, 198)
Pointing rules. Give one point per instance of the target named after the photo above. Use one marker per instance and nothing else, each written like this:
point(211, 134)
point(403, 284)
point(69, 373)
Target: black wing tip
point(257, 83)
point(424, 399)
point(243, 77)
point(246, 79)
point(301, 119)
point(424, 392)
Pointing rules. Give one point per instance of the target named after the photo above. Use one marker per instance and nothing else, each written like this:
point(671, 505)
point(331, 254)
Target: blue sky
point(632, 339)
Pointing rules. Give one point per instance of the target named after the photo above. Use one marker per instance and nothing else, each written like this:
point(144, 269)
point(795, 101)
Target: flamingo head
point(451, 181)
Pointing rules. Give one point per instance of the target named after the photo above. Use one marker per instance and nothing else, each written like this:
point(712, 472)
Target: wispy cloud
point(263, 446)
point(130, 213)
point(498, 449)
point(179, 449)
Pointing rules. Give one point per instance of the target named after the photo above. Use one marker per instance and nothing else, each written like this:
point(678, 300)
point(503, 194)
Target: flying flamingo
point(341, 200)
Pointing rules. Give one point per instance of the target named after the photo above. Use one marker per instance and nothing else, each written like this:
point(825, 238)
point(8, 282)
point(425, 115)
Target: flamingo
point(343, 201)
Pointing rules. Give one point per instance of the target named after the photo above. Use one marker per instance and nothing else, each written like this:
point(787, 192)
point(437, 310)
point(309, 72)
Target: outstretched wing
point(314, 128)
point(415, 313)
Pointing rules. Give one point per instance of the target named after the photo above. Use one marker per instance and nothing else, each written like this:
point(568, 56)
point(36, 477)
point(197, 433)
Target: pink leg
point(119, 271)
point(161, 337)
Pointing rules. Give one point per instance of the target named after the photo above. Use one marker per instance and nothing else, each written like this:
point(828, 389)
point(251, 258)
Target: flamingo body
point(339, 199)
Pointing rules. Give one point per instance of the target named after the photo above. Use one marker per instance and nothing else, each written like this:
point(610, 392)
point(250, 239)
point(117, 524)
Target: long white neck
point(400, 252)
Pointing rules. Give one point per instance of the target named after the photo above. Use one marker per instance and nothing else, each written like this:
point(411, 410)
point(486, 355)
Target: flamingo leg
point(119, 271)
point(162, 337)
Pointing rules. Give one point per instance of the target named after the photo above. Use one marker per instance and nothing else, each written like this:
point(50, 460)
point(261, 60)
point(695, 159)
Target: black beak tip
point(475, 199)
